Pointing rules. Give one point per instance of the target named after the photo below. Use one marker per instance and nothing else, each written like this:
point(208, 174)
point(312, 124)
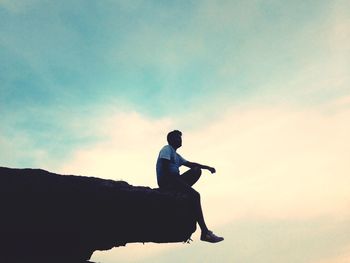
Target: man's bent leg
point(182, 186)
point(191, 176)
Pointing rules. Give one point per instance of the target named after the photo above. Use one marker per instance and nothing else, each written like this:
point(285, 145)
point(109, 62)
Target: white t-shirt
point(176, 160)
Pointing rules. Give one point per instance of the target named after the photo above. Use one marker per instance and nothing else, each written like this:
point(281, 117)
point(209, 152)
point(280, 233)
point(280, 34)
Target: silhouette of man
point(168, 177)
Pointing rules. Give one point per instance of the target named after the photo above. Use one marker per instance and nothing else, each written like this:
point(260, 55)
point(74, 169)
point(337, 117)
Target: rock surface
point(65, 218)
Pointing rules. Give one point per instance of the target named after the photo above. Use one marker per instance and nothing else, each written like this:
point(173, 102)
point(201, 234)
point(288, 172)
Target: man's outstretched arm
point(201, 166)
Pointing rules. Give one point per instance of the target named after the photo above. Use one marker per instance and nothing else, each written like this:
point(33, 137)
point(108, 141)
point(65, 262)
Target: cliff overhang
point(47, 216)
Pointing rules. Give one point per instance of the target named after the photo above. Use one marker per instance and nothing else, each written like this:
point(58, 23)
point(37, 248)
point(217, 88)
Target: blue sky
point(64, 61)
point(261, 89)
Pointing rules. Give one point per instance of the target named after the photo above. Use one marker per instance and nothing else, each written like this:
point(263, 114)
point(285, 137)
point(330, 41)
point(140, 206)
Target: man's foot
point(209, 236)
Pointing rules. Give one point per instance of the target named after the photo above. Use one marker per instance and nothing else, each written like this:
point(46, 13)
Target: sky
point(260, 90)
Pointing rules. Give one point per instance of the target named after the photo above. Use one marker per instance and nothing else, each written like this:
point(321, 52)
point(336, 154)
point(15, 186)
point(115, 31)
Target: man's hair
point(171, 135)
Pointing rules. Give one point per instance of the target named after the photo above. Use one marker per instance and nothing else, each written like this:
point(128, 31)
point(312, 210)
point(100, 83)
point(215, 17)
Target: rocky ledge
point(48, 217)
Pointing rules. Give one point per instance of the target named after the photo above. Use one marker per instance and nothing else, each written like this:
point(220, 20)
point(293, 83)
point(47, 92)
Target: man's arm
point(201, 166)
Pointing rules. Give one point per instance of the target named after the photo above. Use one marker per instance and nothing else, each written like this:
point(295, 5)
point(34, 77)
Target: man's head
point(174, 139)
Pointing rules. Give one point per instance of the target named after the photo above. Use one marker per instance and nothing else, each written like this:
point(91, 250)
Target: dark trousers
point(184, 183)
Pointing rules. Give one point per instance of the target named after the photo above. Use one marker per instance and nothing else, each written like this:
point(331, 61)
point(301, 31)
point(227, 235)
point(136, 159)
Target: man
point(168, 177)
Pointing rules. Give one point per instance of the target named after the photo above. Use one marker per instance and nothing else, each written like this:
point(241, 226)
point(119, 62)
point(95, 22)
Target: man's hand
point(200, 166)
point(212, 169)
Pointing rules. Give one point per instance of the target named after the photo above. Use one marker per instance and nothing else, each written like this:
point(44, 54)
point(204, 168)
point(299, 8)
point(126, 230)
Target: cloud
point(15, 152)
point(128, 151)
point(272, 161)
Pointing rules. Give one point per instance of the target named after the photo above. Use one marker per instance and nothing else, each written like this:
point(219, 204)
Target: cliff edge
point(51, 217)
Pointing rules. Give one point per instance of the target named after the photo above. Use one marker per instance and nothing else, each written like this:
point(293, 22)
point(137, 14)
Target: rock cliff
point(65, 218)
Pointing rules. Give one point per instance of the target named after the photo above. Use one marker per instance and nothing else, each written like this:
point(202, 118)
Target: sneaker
point(211, 237)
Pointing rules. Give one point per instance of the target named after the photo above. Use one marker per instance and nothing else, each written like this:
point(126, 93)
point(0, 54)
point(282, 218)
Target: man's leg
point(191, 176)
point(180, 184)
point(199, 212)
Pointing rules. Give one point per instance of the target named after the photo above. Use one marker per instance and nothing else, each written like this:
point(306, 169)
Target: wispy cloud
point(274, 162)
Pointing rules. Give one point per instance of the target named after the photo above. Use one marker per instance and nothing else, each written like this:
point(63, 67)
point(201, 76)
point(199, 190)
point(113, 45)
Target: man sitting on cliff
point(168, 177)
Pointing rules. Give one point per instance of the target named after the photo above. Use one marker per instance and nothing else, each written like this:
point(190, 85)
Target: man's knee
point(197, 171)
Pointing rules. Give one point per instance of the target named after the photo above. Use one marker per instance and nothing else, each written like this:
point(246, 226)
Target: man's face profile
point(177, 141)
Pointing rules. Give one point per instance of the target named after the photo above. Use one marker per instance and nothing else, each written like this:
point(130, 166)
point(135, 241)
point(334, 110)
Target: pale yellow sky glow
point(273, 162)
point(290, 162)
